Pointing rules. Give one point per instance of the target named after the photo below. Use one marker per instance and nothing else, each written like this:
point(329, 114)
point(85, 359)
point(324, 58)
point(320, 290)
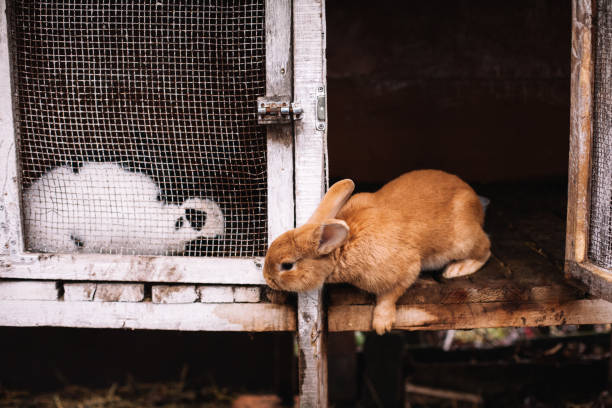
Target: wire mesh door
point(136, 126)
point(600, 239)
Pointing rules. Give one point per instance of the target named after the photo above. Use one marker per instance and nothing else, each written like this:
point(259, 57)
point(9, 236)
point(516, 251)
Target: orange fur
point(424, 219)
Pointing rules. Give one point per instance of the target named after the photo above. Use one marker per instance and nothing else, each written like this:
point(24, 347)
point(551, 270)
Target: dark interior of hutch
point(479, 89)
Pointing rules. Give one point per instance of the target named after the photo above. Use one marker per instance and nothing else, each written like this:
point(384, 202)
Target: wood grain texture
point(581, 115)
point(79, 292)
point(279, 74)
point(11, 234)
point(146, 315)
point(309, 80)
point(461, 292)
point(309, 71)
point(598, 281)
point(119, 292)
point(95, 267)
point(215, 294)
point(28, 290)
point(247, 294)
point(173, 294)
point(312, 343)
point(475, 315)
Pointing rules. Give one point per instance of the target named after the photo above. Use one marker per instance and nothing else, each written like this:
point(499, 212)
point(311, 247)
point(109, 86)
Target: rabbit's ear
point(331, 235)
point(332, 202)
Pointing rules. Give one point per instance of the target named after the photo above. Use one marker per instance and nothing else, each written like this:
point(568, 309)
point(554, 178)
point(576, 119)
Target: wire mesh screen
point(600, 247)
point(137, 128)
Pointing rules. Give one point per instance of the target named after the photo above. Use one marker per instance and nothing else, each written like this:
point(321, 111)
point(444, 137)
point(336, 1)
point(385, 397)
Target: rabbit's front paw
point(384, 317)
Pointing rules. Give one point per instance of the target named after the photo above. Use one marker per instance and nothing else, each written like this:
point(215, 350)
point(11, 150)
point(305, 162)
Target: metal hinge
point(277, 110)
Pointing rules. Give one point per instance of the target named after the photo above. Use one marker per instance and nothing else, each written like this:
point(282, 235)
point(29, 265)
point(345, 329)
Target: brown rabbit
point(380, 241)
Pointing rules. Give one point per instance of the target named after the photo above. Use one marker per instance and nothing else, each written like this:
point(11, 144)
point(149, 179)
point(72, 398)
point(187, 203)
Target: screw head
point(321, 126)
point(320, 89)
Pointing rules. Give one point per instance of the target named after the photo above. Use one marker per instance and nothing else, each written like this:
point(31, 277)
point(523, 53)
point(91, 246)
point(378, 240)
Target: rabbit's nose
point(272, 283)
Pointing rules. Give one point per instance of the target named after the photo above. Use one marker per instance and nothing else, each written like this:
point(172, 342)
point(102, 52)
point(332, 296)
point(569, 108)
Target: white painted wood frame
point(279, 77)
point(254, 317)
point(309, 68)
point(15, 263)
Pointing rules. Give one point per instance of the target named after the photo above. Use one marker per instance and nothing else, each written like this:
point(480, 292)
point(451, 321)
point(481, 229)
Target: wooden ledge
point(496, 296)
point(475, 315)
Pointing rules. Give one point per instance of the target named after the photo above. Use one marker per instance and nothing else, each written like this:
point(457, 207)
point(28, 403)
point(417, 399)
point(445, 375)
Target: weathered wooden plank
point(119, 292)
point(528, 266)
point(79, 292)
point(517, 252)
point(279, 74)
point(146, 315)
point(309, 69)
point(312, 345)
point(545, 230)
point(444, 394)
point(597, 280)
point(463, 291)
point(11, 235)
point(24, 290)
point(475, 315)
point(247, 294)
point(309, 81)
point(174, 294)
point(581, 114)
point(215, 294)
point(134, 268)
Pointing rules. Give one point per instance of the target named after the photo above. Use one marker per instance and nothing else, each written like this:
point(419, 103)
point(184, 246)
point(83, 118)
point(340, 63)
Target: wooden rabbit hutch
point(150, 153)
point(226, 107)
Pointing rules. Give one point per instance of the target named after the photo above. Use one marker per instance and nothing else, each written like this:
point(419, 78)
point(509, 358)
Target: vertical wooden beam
point(310, 135)
point(281, 205)
point(11, 237)
point(281, 209)
point(581, 114)
point(312, 366)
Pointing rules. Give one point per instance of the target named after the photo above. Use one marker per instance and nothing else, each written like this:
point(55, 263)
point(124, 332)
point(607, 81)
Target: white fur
point(109, 209)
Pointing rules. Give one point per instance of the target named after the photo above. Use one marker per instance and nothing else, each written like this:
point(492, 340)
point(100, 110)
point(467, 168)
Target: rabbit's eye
point(179, 223)
point(285, 266)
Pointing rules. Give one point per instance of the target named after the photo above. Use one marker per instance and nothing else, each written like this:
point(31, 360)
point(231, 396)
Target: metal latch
point(277, 110)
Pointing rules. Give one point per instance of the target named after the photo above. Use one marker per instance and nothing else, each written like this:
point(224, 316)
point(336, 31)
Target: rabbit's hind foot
point(464, 267)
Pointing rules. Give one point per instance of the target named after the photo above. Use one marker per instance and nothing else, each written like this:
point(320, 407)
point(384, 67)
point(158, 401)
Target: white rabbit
point(105, 208)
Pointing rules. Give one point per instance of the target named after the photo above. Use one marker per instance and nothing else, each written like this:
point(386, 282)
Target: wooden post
point(310, 133)
point(281, 213)
point(11, 236)
point(281, 207)
point(581, 114)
